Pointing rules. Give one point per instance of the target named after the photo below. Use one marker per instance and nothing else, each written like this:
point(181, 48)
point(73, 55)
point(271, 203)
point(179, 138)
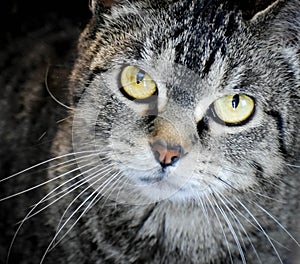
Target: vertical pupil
point(140, 76)
point(235, 101)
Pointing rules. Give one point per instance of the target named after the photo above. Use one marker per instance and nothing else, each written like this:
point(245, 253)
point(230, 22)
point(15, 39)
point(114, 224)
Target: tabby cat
point(179, 142)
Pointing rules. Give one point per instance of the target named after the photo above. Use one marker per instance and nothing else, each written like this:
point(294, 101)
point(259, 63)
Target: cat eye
point(137, 84)
point(233, 109)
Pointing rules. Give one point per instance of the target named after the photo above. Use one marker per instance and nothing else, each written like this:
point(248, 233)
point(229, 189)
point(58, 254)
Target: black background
point(21, 16)
point(19, 144)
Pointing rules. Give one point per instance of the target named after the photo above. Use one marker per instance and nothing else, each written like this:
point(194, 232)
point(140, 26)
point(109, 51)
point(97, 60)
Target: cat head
point(248, 8)
point(183, 99)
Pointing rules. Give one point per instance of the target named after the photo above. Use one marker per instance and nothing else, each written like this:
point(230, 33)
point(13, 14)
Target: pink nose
point(166, 155)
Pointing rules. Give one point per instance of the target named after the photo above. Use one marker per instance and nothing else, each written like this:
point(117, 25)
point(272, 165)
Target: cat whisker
point(278, 223)
point(265, 196)
point(226, 183)
point(49, 161)
point(257, 228)
point(270, 182)
point(121, 188)
point(293, 165)
point(41, 137)
point(221, 226)
point(97, 192)
point(238, 191)
point(70, 163)
point(233, 232)
point(261, 229)
point(50, 246)
point(51, 94)
point(45, 183)
point(239, 212)
point(113, 188)
point(222, 198)
point(105, 170)
point(79, 175)
point(64, 119)
point(105, 194)
point(65, 192)
point(99, 189)
point(30, 214)
point(204, 209)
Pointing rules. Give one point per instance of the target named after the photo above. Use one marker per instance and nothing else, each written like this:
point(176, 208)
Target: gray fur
point(236, 194)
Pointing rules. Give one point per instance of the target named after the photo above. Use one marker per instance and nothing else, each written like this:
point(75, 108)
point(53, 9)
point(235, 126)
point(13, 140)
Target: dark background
point(21, 16)
point(33, 36)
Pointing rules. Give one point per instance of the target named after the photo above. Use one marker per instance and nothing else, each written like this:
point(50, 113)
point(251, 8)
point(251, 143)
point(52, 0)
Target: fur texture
point(232, 194)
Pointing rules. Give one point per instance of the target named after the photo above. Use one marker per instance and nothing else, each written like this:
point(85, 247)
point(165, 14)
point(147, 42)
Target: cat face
point(181, 106)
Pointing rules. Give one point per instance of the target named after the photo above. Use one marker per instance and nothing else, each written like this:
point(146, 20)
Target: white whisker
point(261, 229)
point(50, 93)
point(293, 165)
point(65, 192)
point(64, 119)
point(222, 198)
point(221, 226)
point(204, 209)
point(44, 183)
point(265, 196)
point(235, 237)
point(278, 223)
point(77, 176)
point(112, 189)
point(118, 194)
point(98, 192)
point(106, 170)
point(48, 161)
point(30, 215)
point(73, 161)
point(58, 232)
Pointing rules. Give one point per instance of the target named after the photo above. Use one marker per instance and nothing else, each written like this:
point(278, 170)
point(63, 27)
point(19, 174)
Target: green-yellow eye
point(137, 84)
point(234, 109)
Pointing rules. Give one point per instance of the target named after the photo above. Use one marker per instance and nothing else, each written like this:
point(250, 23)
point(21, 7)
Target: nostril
point(174, 159)
point(169, 161)
point(166, 154)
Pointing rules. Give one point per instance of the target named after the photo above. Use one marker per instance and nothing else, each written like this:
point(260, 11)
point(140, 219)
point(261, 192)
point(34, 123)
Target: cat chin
point(168, 191)
point(167, 186)
point(164, 190)
point(178, 197)
point(153, 185)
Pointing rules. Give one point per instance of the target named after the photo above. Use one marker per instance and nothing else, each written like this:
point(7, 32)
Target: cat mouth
point(164, 180)
point(151, 180)
point(160, 176)
point(161, 188)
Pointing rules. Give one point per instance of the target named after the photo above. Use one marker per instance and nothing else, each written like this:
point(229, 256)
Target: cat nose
point(166, 154)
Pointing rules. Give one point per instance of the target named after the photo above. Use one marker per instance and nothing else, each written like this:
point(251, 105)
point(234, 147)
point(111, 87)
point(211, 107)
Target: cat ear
point(96, 5)
point(252, 9)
